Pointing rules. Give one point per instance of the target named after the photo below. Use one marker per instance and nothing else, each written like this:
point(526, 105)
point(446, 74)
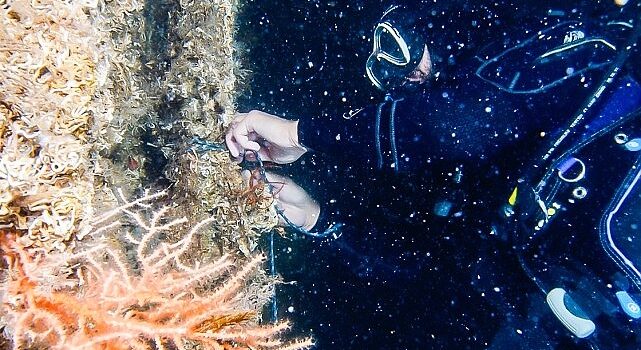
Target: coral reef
point(47, 79)
point(245, 212)
point(87, 103)
point(201, 85)
point(205, 70)
point(166, 301)
point(129, 96)
point(98, 94)
point(169, 84)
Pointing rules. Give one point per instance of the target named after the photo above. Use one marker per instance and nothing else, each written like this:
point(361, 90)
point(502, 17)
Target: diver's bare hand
point(274, 138)
point(297, 205)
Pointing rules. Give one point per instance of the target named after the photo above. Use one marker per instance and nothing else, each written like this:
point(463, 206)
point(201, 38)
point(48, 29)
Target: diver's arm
point(284, 141)
point(350, 140)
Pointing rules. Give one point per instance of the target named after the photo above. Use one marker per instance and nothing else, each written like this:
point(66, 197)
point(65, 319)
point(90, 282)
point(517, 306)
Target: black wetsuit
point(420, 190)
point(460, 144)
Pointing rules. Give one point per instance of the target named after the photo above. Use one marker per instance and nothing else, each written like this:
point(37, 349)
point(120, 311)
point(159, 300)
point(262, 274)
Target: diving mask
point(397, 51)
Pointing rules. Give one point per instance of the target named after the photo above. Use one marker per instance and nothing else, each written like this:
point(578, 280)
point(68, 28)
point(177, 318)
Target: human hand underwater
point(297, 205)
point(274, 138)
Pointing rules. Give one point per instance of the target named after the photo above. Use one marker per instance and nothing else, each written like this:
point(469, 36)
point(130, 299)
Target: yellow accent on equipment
point(512, 199)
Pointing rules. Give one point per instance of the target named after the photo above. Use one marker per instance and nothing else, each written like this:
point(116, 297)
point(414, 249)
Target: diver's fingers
point(246, 175)
point(278, 182)
point(231, 144)
point(241, 134)
point(287, 190)
point(264, 153)
point(276, 177)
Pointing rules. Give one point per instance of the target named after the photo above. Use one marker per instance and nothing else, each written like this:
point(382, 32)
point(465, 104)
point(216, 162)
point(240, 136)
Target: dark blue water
point(307, 57)
point(404, 277)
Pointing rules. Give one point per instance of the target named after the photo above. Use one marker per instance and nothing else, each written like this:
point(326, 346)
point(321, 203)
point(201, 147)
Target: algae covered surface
point(49, 75)
point(102, 102)
point(109, 94)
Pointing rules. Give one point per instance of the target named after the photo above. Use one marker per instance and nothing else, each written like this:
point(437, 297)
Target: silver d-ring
point(620, 138)
point(565, 166)
point(579, 192)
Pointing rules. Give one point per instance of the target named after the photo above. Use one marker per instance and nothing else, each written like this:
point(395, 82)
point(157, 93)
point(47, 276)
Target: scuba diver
point(499, 145)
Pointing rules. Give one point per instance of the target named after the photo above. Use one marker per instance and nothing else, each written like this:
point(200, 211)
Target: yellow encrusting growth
point(242, 213)
point(205, 70)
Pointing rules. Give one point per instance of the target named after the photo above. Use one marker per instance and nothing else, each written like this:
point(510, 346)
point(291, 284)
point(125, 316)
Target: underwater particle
point(290, 309)
point(497, 289)
point(488, 109)
point(519, 331)
point(556, 13)
point(442, 208)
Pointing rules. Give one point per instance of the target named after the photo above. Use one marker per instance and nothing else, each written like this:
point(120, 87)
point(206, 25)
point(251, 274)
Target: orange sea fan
point(164, 303)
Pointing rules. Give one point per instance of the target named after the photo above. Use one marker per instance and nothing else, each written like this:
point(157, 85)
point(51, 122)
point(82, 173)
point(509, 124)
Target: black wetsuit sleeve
point(313, 134)
point(463, 119)
point(337, 187)
point(340, 138)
